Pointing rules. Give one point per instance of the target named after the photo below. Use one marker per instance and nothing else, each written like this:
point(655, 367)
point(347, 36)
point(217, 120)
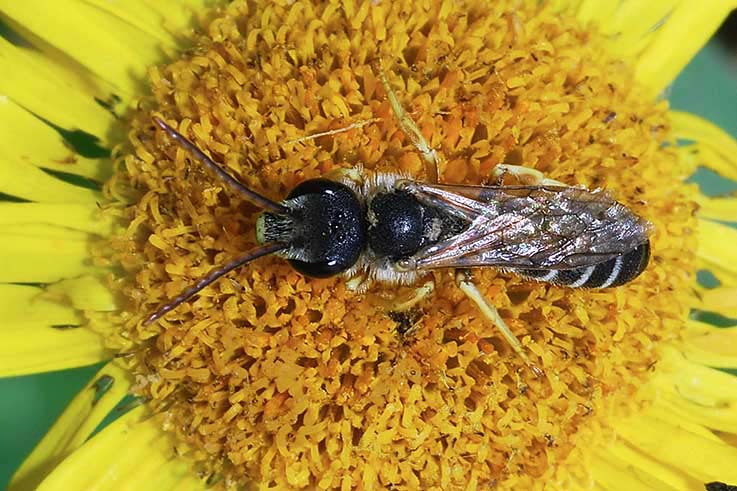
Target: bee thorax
point(395, 225)
point(400, 225)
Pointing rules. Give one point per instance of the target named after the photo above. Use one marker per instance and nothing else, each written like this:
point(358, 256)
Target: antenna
point(212, 276)
point(252, 196)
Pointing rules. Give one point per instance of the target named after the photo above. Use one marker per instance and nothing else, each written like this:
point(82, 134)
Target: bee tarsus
point(468, 287)
point(409, 128)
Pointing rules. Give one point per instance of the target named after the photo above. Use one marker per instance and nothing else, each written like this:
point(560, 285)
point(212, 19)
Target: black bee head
point(325, 229)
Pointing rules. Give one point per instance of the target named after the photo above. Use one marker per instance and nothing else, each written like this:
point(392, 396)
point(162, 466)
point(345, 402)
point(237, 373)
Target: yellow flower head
point(276, 381)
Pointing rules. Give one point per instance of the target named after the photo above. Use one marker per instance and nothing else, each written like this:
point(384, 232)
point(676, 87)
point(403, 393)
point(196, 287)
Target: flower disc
point(297, 383)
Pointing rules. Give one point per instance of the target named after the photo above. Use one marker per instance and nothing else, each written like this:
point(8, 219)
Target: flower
point(270, 378)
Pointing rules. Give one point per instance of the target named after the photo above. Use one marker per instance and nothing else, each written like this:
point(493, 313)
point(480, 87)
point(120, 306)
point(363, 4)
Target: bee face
point(325, 228)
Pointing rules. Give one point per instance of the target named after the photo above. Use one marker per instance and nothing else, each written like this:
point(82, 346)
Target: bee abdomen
point(614, 272)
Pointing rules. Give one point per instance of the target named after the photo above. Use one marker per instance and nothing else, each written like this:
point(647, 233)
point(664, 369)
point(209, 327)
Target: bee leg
point(489, 311)
point(409, 128)
point(358, 284)
point(406, 302)
point(525, 175)
point(351, 177)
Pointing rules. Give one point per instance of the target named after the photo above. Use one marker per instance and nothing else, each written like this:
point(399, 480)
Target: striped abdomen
point(615, 272)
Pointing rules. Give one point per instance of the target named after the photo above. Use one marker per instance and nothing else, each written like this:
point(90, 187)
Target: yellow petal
point(121, 52)
point(630, 26)
point(717, 150)
point(613, 474)
point(685, 31)
point(58, 303)
point(43, 231)
point(661, 412)
point(724, 209)
point(716, 245)
point(85, 293)
point(721, 418)
point(636, 19)
point(729, 438)
point(706, 156)
point(29, 259)
point(694, 382)
point(648, 465)
point(34, 83)
point(25, 138)
point(25, 181)
point(83, 217)
point(707, 345)
point(163, 19)
point(726, 275)
point(722, 300)
point(693, 397)
point(148, 461)
point(675, 446)
point(26, 303)
point(596, 11)
point(80, 418)
point(562, 5)
point(32, 347)
point(648, 31)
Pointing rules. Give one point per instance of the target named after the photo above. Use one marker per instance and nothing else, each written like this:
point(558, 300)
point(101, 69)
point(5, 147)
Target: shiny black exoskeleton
point(396, 229)
point(614, 272)
point(399, 225)
point(325, 228)
point(328, 228)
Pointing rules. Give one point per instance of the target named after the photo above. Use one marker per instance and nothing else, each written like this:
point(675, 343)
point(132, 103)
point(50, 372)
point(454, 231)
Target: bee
point(391, 229)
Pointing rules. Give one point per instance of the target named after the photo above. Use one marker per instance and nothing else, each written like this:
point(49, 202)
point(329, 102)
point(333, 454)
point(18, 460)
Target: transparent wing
point(531, 227)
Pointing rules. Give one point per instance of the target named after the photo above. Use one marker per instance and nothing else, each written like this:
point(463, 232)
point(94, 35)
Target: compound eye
point(332, 228)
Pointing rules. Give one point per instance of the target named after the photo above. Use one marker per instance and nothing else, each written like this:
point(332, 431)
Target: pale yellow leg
point(405, 299)
point(350, 176)
point(409, 128)
point(489, 311)
point(404, 304)
point(403, 309)
point(357, 284)
point(525, 175)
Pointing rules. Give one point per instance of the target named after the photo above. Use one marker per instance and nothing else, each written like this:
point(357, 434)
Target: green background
point(29, 405)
